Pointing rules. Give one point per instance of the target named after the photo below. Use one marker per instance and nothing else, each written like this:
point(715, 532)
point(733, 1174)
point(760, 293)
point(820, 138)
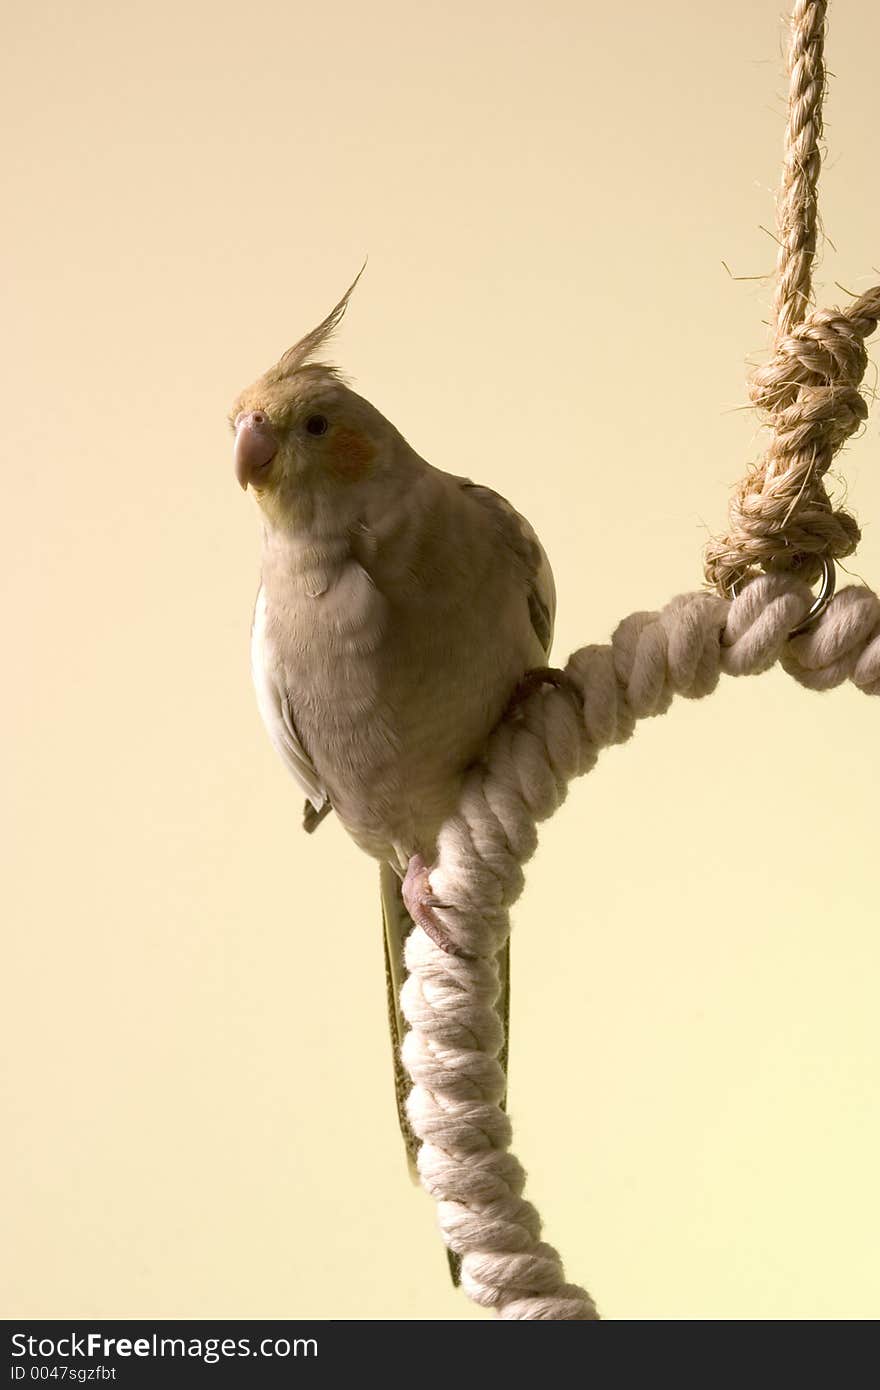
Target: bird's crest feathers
point(302, 354)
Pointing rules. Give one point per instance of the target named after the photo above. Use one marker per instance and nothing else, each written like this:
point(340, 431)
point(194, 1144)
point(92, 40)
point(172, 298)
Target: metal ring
point(820, 602)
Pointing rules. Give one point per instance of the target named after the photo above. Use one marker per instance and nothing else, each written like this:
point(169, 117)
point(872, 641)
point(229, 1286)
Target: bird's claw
point(420, 902)
point(534, 679)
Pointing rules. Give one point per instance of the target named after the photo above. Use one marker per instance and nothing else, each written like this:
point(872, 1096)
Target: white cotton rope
point(451, 1050)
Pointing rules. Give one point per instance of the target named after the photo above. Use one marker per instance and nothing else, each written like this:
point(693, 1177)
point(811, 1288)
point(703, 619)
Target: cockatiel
point(401, 609)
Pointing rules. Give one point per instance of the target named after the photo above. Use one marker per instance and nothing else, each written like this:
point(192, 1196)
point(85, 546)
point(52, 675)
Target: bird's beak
point(256, 445)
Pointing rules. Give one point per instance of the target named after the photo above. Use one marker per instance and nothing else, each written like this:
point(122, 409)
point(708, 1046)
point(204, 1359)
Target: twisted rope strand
point(448, 1001)
point(797, 206)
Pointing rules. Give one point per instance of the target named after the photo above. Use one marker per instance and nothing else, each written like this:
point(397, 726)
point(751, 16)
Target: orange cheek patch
point(350, 454)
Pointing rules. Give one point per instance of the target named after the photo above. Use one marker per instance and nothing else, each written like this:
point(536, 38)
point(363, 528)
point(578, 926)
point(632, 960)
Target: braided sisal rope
point(781, 516)
point(781, 519)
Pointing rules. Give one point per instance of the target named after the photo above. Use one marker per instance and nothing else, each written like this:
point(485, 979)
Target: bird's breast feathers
point(377, 687)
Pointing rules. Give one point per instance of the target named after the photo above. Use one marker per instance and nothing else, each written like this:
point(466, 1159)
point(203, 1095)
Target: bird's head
point(308, 446)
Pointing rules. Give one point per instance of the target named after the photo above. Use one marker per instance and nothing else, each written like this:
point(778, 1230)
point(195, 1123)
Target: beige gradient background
point(199, 1116)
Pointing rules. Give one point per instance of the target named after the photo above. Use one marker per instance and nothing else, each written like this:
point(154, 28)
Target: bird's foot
point(420, 903)
point(534, 679)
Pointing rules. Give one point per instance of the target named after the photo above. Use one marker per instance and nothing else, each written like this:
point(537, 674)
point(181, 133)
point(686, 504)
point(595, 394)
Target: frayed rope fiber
point(782, 523)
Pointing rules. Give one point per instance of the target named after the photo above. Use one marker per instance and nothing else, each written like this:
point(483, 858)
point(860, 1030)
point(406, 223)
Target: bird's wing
point(527, 551)
point(275, 710)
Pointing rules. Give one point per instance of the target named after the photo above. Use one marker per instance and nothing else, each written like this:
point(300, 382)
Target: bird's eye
point(317, 424)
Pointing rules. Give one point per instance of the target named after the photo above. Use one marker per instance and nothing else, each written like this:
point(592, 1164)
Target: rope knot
point(781, 515)
point(825, 351)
